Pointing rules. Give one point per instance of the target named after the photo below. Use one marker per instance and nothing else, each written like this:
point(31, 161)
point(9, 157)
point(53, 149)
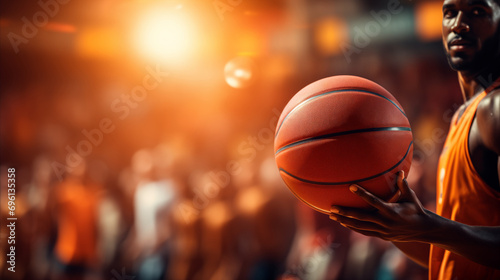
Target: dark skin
point(472, 43)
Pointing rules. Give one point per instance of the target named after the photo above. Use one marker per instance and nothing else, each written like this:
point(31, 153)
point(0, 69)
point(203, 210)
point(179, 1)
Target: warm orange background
point(180, 99)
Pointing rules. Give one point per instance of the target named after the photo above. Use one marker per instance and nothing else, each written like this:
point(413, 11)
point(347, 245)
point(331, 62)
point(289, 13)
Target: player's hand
point(404, 220)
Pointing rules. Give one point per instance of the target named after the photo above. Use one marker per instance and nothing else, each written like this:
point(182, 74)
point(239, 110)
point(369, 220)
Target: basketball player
point(461, 241)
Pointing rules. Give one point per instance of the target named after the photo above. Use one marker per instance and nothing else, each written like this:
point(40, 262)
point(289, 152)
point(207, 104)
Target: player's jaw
point(467, 53)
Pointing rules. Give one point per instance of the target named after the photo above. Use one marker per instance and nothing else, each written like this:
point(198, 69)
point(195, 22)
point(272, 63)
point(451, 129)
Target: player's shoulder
point(489, 107)
point(488, 120)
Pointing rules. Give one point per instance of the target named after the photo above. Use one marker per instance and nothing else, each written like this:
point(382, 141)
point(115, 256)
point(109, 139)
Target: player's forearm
point(477, 243)
point(418, 252)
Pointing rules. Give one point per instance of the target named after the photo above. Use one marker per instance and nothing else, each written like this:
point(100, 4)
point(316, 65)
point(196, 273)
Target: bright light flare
point(239, 72)
point(164, 35)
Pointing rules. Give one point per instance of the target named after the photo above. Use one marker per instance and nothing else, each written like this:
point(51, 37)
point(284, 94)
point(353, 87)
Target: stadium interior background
point(142, 132)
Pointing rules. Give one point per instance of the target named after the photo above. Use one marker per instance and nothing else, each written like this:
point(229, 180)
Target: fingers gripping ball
point(339, 131)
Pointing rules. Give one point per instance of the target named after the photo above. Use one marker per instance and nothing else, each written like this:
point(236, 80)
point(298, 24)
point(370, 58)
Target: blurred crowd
point(180, 182)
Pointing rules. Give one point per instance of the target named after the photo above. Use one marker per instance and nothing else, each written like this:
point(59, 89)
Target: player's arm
point(408, 221)
point(416, 251)
point(477, 243)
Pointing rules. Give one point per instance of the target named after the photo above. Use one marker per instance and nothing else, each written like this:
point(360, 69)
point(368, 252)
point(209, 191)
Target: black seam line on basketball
point(335, 91)
point(331, 135)
point(349, 182)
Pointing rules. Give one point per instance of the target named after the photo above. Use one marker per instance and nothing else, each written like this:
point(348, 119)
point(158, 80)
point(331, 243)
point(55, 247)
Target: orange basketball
point(339, 131)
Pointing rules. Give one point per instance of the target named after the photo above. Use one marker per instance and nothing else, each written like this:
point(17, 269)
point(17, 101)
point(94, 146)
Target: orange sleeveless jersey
point(464, 197)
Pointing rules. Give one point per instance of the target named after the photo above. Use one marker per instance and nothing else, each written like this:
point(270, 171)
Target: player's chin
point(461, 63)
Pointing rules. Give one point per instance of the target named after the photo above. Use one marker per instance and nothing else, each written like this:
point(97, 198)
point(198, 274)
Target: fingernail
point(403, 173)
point(335, 210)
point(353, 188)
point(333, 218)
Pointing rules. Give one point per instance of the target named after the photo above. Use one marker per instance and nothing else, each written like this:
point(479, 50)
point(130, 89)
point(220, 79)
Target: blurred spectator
point(74, 204)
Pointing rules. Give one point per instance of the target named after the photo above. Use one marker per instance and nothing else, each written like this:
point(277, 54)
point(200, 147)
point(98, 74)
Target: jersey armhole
point(495, 193)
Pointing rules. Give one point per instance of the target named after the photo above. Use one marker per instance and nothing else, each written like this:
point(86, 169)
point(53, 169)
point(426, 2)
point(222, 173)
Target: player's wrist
point(432, 229)
point(441, 232)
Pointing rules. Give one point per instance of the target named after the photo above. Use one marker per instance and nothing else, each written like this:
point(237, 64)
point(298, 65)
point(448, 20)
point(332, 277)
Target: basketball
point(339, 131)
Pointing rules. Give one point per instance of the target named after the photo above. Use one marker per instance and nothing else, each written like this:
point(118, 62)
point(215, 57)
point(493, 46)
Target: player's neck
point(474, 83)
